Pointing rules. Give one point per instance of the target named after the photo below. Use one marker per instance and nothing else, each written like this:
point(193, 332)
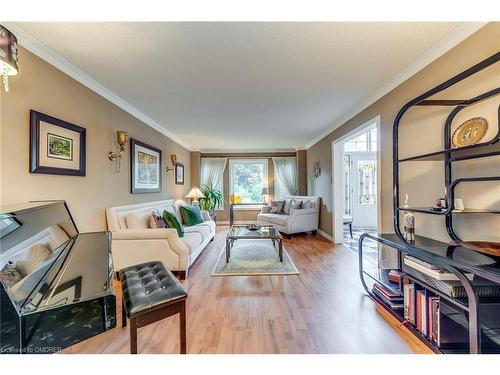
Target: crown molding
point(41, 50)
point(456, 36)
point(33, 45)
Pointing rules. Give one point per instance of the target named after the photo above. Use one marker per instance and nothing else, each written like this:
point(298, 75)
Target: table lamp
point(264, 194)
point(194, 194)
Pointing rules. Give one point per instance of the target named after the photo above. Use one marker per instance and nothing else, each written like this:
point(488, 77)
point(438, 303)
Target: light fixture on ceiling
point(8, 56)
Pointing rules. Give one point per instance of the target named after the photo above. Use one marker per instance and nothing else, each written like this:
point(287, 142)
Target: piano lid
point(32, 237)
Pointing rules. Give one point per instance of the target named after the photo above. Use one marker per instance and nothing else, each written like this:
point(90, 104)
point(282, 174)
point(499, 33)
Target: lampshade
point(8, 55)
point(195, 193)
point(264, 191)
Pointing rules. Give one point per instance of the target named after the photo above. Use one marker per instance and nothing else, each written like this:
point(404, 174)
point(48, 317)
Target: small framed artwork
point(56, 146)
point(145, 164)
point(179, 174)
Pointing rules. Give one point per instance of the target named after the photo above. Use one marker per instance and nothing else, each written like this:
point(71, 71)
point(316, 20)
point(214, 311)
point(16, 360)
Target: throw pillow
point(157, 222)
point(265, 210)
point(135, 222)
point(296, 204)
point(308, 204)
point(277, 207)
point(173, 222)
point(287, 206)
point(191, 215)
point(36, 254)
point(10, 275)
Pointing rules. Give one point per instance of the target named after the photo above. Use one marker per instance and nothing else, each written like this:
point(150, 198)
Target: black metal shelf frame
point(425, 249)
point(472, 299)
point(449, 154)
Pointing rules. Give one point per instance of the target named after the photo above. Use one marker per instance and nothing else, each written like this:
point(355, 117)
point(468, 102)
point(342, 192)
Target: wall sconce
point(8, 56)
point(173, 159)
point(121, 138)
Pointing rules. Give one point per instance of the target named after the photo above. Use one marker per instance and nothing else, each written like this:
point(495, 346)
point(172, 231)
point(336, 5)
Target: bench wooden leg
point(133, 336)
point(182, 327)
point(124, 315)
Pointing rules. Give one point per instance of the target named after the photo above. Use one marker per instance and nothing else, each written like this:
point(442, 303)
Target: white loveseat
point(299, 220)
point(134, 246)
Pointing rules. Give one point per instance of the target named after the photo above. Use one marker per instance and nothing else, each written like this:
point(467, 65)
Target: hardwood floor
point(322, 310)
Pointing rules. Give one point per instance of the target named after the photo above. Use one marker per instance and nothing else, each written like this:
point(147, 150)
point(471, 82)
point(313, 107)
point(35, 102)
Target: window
point(362, 143)
point(247, 177)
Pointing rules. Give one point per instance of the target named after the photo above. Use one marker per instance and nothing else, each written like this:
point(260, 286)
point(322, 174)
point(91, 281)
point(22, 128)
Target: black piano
point(56, 285)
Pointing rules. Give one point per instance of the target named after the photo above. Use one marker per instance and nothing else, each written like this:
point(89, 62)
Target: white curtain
point(212, 173)
point(285, 176)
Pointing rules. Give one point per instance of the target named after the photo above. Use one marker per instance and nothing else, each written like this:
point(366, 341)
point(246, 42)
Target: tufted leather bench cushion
point(149, 286)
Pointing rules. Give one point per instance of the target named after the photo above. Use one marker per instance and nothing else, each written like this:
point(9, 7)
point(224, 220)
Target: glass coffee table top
point(265, 231)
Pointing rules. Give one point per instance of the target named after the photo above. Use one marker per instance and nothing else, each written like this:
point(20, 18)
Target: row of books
point(422, 309)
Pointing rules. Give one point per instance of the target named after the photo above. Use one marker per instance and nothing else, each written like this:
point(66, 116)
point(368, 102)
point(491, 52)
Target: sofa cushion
point(135, 222)
point(191, 215)
point(210, 224)
point(199, 228)
point(279, 219)
point(192, 240)
point(173, 222)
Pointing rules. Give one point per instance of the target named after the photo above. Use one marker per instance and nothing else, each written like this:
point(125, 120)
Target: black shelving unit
point(456, 259)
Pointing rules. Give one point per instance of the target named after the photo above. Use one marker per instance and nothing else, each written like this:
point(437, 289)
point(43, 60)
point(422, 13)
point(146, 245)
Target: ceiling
point(242, 86)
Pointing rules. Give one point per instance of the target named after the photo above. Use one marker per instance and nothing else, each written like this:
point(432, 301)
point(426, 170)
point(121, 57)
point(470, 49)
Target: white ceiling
point(243, 86)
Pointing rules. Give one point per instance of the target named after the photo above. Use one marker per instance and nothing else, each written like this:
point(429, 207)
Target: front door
point(364, 190)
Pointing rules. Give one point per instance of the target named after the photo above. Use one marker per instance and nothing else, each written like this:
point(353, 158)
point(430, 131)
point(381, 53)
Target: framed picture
point(145, 164)
point(179, 174)
point(56, 146)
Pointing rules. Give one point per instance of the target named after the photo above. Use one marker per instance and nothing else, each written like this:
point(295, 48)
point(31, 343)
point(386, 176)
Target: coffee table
point(265, 232)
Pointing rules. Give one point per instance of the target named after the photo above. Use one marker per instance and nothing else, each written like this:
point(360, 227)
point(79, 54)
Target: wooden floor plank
point(322, 310)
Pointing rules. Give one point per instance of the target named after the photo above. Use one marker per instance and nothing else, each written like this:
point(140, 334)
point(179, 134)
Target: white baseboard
point(325, 235)
point(237, 222)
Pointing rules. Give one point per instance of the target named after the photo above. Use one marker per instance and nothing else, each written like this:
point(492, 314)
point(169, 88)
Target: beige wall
point(43, 88)
point(422, 132)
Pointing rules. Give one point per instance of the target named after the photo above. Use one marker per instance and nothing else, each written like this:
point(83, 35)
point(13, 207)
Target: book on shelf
point(422, 311)
point(455, 289)
point(409, 302)
point(431, 270)
point(389, 296)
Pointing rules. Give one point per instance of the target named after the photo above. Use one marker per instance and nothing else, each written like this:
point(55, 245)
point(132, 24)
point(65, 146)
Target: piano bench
point(151, 293)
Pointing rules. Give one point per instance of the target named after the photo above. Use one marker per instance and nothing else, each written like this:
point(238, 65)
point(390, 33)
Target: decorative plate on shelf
point(470, 132)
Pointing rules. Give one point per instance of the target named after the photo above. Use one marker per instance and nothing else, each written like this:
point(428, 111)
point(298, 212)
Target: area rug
point(254, 257)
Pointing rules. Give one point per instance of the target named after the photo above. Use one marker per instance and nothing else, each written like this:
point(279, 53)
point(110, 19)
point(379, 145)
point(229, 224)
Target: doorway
point(356, 187)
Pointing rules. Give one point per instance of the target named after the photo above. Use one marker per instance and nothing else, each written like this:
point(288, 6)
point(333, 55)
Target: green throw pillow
point(173, 222)
point(191, 215)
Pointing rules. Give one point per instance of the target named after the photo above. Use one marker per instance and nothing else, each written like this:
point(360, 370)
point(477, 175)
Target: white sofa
point(134, 246)
point(299, 220)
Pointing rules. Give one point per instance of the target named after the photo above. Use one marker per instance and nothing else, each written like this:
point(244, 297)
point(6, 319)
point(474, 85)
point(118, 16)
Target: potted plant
point(212, 200)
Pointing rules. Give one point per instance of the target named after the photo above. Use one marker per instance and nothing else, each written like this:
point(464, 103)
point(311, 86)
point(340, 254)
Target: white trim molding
point(459, 34)
point(41, 50)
